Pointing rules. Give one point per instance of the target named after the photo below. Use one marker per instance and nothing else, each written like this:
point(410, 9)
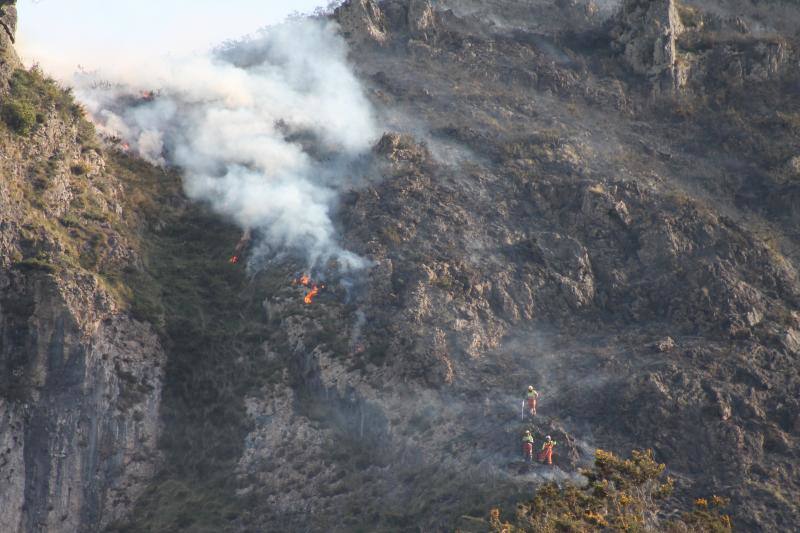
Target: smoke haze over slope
point(241, 122)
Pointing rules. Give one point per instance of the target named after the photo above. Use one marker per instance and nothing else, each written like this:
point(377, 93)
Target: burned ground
point(539, 212)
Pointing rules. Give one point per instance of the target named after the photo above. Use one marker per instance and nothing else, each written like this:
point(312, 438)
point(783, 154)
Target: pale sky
point(61, 34)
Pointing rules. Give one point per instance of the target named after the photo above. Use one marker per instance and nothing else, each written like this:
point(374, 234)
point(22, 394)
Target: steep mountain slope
point(597, 198)
point(562, 225)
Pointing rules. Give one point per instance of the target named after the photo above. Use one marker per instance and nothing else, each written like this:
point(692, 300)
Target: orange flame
point(306, 281)
point(241, 247)
point(311, 294)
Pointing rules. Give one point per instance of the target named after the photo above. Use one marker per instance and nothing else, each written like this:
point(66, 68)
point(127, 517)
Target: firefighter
point(527, 446)
point(546, 455)
point(531, 398)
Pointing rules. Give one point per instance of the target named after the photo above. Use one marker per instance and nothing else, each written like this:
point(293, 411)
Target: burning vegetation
point(304, 280)
point(241, 247)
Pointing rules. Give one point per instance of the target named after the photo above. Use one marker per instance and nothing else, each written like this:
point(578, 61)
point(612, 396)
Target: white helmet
point(530, 388)
point(547, 438)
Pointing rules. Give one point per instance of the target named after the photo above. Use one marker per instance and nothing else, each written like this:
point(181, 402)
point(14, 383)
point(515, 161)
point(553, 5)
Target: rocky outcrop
point(646, 34)
point(8, 28)
point(421, 20)
point(681, 47)
point(8, 18)
point(362, 20)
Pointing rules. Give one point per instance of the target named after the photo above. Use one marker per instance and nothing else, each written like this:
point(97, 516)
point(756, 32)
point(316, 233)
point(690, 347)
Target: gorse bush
point(621, 495)
point(32, 96)
point(20, 116)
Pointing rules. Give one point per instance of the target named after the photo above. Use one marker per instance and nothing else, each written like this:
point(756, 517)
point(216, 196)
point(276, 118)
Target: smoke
point(267, 130)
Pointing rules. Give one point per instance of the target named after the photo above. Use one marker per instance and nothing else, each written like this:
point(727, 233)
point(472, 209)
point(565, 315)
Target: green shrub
point(621, 495)
point(79, 169)
point(20, 116)
point(70, 221)
point(87, 135)
point(31, 97)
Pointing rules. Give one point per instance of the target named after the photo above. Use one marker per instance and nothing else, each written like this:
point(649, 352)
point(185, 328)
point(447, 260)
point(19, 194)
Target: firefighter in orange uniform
point(546, 455)
point(527, 446)
point(531, 398)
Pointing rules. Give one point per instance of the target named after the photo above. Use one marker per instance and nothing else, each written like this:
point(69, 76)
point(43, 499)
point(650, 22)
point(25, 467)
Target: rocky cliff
point(81, 380)
point(597, 198)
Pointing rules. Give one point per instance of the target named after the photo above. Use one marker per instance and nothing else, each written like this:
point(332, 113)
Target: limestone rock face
point(79, 399)
point(79, 412)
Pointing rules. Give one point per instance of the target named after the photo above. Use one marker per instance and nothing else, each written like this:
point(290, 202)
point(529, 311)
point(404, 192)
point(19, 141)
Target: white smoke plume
point(266, 130)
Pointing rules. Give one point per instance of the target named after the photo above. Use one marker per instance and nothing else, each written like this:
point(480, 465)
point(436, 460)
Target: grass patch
point(70, 221)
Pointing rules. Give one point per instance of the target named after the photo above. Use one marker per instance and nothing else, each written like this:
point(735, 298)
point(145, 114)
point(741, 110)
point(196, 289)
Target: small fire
point(310, 296)
point(306, 281)
point(241, 247)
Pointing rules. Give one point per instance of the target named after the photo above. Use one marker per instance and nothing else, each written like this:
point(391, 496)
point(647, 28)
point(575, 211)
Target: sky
point(62, 34)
